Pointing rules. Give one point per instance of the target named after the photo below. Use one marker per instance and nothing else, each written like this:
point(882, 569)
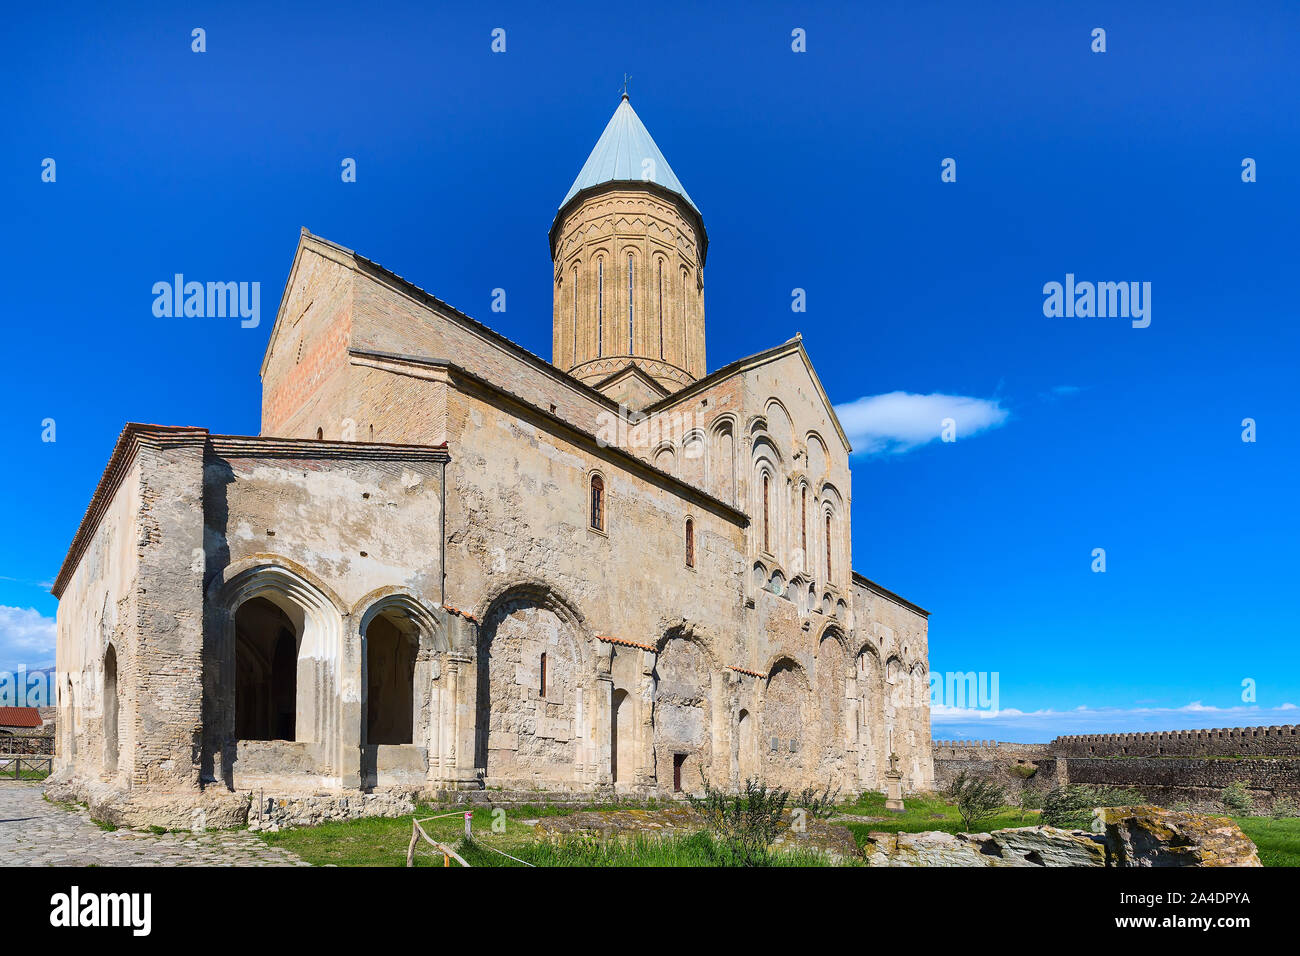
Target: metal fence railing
point(13, 765)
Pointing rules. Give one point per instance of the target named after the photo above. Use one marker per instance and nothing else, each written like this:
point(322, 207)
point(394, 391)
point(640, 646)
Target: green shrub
point(1023, 770)
point(745, 824)
point(977, 799)
point(819, 805)
point(1071, 807)
point(1236, 800)
point(1284, 808)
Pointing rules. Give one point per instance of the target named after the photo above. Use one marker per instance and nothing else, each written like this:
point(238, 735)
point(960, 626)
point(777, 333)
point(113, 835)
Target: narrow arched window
point(541, 684)
point(686, 353)
point(690, 543)
point(661, 308)
point(803, 523)
point(631, 349)
point(767, 517)
point(828, 547)
point(320, 434)
point(600, 307)
point(575, 315)
point(597, 503)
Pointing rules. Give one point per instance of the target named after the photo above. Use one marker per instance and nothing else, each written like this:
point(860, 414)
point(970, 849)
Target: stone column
point(645, 757)
point(602, 721)
point(347, 727)
point(462, 685)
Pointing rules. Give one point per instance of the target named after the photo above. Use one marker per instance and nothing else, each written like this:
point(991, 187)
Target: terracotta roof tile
point(19, 717)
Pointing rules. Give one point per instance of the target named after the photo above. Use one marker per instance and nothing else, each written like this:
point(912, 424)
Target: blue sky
point(817, 170)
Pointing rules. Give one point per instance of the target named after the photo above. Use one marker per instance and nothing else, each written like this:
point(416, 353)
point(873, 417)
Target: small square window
point(776, 745)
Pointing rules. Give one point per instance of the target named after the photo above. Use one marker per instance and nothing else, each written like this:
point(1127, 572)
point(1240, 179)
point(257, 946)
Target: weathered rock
point(1023, 846)
point(1122, 836)
point(1152, 836)
point(186, 810)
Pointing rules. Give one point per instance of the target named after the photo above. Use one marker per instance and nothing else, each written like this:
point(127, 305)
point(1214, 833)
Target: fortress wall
point(1283, 741)
point(1199, 781)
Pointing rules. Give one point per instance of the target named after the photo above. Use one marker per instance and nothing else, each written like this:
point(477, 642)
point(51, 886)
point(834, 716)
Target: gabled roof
point(19, 717)
point(794, 345)
point(634, 370)
point(621, 155)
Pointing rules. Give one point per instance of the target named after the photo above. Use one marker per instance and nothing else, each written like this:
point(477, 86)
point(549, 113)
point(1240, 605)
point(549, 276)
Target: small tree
point(1236, 800)
point(1028, 800)
point(820, 806)
point(746, 824)
point(1283, 808)
point(977, 799)
point(1071, 807)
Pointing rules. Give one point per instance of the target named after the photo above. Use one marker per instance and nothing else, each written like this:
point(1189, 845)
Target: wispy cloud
point(26, 637)
point(1042, 725)
point(897, 422)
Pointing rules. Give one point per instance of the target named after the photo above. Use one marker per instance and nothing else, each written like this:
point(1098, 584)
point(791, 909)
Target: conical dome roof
point(621, 155)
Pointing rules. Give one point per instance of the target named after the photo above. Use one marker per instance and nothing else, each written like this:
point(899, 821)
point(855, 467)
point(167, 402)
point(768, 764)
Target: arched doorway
point(745, 750)
point(111, 703)
point(266, 672)
point(681, 715)
point(392, 645)
point(622, 736)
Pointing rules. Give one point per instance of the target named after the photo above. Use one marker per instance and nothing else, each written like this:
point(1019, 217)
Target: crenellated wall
point(1280, 741)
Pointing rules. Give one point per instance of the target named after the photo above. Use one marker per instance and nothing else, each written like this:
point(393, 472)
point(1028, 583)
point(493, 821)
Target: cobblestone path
point(35, 832)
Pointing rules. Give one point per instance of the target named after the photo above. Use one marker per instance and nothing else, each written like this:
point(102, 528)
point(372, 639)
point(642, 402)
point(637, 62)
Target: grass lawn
point(383, 842)
point(1278, 841)
point(931, 812)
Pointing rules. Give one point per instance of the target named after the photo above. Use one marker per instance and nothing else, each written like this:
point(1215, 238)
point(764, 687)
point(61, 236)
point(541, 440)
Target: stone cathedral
point(446, 564)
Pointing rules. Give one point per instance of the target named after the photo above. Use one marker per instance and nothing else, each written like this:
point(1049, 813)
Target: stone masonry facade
point(448, 565)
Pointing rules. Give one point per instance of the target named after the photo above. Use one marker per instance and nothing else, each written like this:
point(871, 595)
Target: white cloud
point(897, 422)
point(26, 637)
point(1040, 726)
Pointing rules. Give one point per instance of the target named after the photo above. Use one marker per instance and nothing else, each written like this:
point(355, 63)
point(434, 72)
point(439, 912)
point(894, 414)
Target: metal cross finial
point(626, 79)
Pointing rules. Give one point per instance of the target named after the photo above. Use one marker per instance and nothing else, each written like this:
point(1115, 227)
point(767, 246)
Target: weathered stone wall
point(893, 655)
point(303, 372)
point(98, 608)
point(135, 721)
point(1165, 780)
point(329, 532)
point(1199, 781)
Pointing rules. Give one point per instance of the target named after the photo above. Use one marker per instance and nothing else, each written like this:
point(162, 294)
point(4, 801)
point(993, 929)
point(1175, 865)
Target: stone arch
point(401, 640)
point(768, 494)
point(683, 718)
point(818, 458)
point(112, 704)
point(664, 458)
point(694, 464)
point(746, 746)
point(799, 592)
point(721, 463)
point(780, 426)
point(315, 614)
point(786, 723)
point(832, 673)
point(535, 672)
point(870, 678)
